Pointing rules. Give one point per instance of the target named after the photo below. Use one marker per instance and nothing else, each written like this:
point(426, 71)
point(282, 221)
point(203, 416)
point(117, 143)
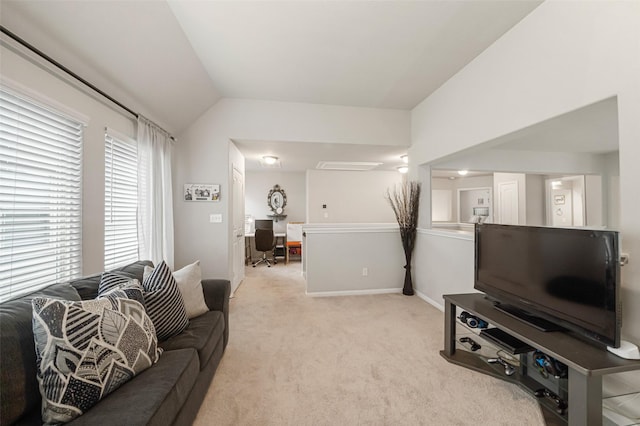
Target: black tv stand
point(586, 363)
point(535, 321)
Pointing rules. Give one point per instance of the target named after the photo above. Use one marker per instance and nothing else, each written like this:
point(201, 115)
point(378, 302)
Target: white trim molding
point(354, 292)
point(349, 228)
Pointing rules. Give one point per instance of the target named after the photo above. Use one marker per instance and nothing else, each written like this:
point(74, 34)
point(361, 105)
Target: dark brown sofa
point(168, 393)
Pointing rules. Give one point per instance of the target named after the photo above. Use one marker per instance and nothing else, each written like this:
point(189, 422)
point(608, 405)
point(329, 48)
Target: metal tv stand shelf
point(587, 363)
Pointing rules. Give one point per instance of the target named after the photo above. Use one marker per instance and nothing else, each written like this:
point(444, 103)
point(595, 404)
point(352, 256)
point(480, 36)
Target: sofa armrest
point(216, 295)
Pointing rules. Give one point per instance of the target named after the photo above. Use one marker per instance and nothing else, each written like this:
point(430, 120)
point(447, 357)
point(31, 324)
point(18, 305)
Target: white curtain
point(155, 205)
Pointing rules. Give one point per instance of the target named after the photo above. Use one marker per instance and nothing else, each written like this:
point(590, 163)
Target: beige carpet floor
point(353, 360)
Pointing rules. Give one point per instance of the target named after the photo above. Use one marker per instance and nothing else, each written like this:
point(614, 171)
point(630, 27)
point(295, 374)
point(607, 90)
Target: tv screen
point(570, 277)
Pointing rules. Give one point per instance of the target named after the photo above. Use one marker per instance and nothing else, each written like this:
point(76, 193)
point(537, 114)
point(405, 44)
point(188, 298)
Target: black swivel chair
point(264, 243)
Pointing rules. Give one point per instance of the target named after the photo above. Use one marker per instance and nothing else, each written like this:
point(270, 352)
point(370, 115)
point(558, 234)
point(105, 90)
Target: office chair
point(264, 243)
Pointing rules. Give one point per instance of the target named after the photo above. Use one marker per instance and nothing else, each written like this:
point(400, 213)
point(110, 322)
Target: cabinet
point(586, 363)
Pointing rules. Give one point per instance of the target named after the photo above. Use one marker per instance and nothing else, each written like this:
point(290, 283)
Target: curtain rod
point(74, 75)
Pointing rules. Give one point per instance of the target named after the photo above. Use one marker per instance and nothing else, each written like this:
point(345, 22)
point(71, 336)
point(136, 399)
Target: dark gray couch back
point(19, 392)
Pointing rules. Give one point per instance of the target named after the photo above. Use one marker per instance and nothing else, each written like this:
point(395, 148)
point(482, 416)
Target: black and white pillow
point(164, 302)
point(87, 349)
point(126, 286)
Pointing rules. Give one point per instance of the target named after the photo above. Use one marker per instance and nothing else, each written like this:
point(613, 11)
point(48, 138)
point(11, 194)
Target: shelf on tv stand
point(587, 363)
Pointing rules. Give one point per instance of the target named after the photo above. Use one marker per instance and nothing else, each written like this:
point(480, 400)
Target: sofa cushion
point(87, 287)
point(203, 334)
point(154, 397)
point(164, 303)
point(85, 350)
point(19, 394)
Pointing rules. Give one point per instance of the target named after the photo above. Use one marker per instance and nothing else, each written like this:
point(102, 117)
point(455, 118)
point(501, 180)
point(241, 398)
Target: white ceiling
point(133, 50)
point(174, 60)
point(380, 54)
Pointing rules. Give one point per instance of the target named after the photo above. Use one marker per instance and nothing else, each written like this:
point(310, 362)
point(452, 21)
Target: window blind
point(40, 196)
point(121, 202)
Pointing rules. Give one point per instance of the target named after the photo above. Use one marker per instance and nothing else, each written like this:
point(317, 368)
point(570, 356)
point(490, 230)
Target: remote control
point(474, 345)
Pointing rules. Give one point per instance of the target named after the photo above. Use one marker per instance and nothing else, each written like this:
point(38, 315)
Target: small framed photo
point(201, 192)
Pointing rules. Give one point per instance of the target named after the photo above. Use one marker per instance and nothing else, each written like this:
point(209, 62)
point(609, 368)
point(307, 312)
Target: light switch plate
point(215, 218)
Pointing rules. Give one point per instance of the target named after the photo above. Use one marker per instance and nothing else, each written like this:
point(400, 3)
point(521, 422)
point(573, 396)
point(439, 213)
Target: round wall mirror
point(277, 199)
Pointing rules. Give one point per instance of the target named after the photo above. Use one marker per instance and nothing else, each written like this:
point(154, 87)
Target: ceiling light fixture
point(463, 172)
point(403, 169)
point(405, 158)
point(270, 159)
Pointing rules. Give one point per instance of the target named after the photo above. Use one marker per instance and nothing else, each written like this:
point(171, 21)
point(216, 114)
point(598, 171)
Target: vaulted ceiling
point(174, 60)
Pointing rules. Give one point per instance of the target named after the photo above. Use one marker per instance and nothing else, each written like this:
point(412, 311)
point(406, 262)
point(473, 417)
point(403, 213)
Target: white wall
point(258, 185)
point(442, 266)
point(350, 197)
point(562, 56)
point(98, 115)
point(202, 156)
point(336, 255)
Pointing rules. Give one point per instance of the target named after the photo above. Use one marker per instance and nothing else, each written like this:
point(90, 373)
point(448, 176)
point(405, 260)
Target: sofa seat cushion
point(154, 397)
point(202, 334)
point(19, 393)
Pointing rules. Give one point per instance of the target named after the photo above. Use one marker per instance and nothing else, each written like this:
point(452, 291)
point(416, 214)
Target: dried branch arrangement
point(405, 201)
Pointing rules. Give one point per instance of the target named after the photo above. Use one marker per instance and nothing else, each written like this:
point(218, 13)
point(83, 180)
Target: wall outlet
point(215, 218)
point(365, 272)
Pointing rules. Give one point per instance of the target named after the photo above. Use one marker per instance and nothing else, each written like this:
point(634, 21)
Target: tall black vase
point(407, 289)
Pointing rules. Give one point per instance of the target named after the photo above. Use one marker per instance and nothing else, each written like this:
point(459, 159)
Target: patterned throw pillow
point(189, 280)
point(164, 302)
point(87, 349)
point(119, 286)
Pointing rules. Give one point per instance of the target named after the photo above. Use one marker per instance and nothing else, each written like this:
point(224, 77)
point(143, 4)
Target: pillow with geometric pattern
point(189, 280)
point(87, 349)
point(127, 287)
point(164, 302)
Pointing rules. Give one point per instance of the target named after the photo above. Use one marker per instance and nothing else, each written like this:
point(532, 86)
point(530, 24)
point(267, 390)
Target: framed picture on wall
point(201, 192)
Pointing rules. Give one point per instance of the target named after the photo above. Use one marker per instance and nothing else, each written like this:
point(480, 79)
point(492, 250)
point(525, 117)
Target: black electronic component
point(547, 365)
point(505, 340)
point(472, 320)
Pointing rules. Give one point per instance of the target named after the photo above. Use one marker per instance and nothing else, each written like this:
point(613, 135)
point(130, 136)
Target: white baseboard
point(430, 301)
point(353, 292)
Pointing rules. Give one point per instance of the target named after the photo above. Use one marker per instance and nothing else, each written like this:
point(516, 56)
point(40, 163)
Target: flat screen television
point(568, 277)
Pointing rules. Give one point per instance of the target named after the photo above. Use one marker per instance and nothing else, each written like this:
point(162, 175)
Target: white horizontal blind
point(40, 196)
point(121, 202)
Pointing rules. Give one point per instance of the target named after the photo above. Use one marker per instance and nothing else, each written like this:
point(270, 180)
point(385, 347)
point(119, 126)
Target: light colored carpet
point(355, 360)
